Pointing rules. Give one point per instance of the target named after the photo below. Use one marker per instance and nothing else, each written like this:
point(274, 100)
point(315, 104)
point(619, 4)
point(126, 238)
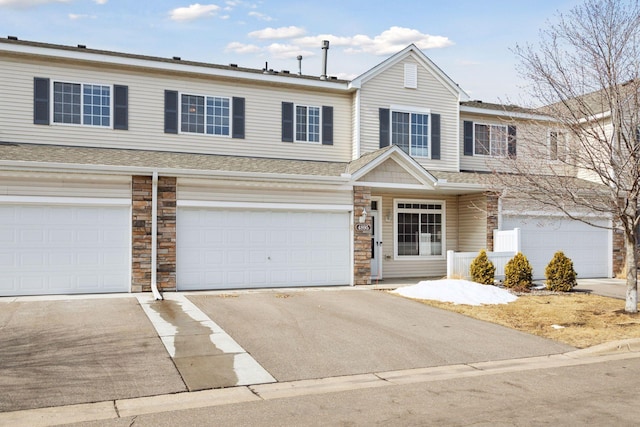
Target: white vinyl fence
point(506, 243)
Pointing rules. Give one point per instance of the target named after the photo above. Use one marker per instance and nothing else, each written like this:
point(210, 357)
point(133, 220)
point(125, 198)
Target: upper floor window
point(416, 131)
point(490, 140)
point(307, 123)
point(205, 114)
point(410, 132)
point(81, 104)
point(482, 139)
point(556, 145)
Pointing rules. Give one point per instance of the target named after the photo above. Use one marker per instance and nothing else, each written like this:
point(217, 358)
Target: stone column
point(141, 234)
point(362, 239)
point(166, 263)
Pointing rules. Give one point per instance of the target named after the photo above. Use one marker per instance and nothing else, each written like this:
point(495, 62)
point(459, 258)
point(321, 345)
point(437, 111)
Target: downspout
point(154, 237)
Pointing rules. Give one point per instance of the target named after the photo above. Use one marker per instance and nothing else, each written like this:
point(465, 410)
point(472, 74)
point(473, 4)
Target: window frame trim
point(181, 132)
point(81, 124)
point(411, 110)
point(506, 140)
point(561, 146)
point(295, 124)
point(442, 211)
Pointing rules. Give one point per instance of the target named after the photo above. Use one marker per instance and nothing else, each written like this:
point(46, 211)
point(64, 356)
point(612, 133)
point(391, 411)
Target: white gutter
point(154, 237)
point(508, 114)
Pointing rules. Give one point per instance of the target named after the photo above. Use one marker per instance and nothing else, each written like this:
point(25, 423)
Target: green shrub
point(561, 276)
point(518, 273)
point(482, 269)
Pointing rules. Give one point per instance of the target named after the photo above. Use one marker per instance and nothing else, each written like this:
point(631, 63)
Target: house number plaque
point(363, 227)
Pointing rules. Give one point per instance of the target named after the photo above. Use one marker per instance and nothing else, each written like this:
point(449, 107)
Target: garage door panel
point(263, 248)
point(587, 246)
point(50, 249)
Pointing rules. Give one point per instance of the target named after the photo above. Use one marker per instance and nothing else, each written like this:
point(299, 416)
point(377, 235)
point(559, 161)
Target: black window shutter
point(511, 141)
point(327, 125)
point(435, 136)
point(170, 111)
point(287, 121)
point(120, 107)
point(468, 138)
point(385, 126)
point(40, 101)
point(238, 118)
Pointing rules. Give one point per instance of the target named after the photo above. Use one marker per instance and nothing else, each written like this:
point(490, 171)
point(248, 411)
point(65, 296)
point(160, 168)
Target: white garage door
point(587, 246)
point(64, 249)
point(224, 249)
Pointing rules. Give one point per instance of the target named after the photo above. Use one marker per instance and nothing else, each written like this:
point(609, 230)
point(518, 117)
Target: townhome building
point(122, 173)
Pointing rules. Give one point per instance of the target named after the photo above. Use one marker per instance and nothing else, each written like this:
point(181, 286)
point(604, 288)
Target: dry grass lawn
point(586, 319)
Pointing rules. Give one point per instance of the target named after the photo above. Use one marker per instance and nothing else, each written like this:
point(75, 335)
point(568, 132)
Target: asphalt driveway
point(305, 334)
point(61, 352)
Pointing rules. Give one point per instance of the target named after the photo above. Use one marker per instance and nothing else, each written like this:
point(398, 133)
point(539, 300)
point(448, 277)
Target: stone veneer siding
point(166, 275)
point(362, 239)
point(141, 234)
point(492, 217)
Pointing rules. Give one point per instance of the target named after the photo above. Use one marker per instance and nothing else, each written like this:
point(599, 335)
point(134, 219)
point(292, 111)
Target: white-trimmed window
point(556, 145)
point(205, 114)
point(307, 123)
point(490, 140)
point(410, 132)
point(82, 104)
point(419, 228)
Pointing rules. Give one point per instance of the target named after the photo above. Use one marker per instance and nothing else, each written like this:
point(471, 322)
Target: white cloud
point(286, 51)
point(388, 42)
point(24, 4)
point(74, 16)
point(261, 16)
point(194, 11)
point(100, 1)
point(242, 48)
point(278, 33)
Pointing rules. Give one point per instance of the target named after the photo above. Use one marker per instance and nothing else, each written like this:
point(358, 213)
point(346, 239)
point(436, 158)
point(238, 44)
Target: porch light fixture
point(363, 217)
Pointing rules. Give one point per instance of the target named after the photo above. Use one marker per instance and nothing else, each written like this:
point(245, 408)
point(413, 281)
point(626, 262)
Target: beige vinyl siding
point(390, 172)
point(434, 267)
point(146, 112)
point(262, 192)
point(64, 185)
point(387, 89)
point(472, 223)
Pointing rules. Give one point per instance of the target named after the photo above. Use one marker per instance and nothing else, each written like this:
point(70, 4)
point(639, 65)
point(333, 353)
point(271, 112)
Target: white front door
point(376, 241)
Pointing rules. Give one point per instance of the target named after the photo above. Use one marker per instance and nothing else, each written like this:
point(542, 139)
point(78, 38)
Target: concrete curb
point(631, 345)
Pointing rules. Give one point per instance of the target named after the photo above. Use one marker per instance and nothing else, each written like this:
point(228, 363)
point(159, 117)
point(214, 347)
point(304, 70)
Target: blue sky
point(468, 40)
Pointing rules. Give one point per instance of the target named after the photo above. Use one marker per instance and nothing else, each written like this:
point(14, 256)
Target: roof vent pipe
point(325, 48)
point(299, 65)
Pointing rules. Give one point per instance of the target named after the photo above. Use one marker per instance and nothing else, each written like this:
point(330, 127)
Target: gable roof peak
point(422, 58)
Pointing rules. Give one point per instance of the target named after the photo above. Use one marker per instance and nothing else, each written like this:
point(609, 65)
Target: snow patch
point(457, 292)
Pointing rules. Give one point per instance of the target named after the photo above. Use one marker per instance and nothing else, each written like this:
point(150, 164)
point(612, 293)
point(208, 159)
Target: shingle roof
point(175, 60)
point(166, 160)
point(498, 107)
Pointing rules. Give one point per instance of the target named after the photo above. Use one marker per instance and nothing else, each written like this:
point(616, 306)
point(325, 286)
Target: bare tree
point(584, 160)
